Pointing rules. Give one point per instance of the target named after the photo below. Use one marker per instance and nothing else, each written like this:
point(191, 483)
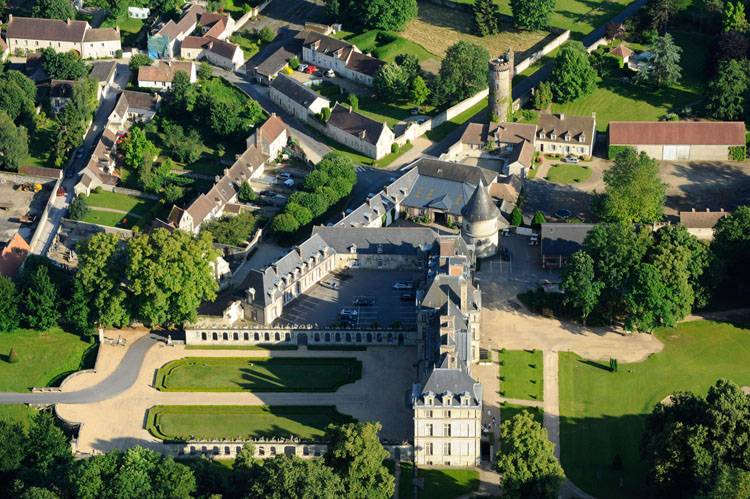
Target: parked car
point(401, 285)
point(61, 191)
point(571, 159)
point(283, 176)
point(267, 194)
point(408, 296)
point(288, 182)
point(349, 312)
point(335, 285)
point(364, 301)
point(330, 73)
point(311, 70)
point(302, 68)
point(353, 264)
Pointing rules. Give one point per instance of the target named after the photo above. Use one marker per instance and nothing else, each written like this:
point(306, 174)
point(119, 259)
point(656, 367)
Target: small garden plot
point(205, 422)
point(568, 173)
point(279, 374)
point(449, 483)
point(521, 374)
point(119, 210)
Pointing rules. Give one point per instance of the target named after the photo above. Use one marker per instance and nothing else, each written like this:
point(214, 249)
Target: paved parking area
point(321, 305)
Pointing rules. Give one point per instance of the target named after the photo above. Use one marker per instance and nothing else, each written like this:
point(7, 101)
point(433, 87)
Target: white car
point(284, 176)
point(402, 285)
point(331, 285)
point(571, 159)
point(330, 73)
point(302, 67)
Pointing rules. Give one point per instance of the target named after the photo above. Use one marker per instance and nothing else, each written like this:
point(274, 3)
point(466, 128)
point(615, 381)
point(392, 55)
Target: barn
point(679, 140)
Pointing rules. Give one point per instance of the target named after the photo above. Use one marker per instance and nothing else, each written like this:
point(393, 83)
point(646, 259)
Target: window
point(447, 449)
point(246, 336)
point(203, 336)
point(257, 336)
point(428, 428)
point(225, 336)
point(236, 336)
point(215, 336)
point(428, 413)
point(277, 337)
point(266, 336)
point(447, 430)
point(447, 414)
point(428, 449)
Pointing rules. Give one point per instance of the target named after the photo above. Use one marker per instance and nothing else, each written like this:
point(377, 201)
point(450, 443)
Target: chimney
point(562, 116)
point(363, 134)
point(216, 179)
point(69, 22)
point(707, 210)
point(692, 209)
point(250, 294)
point(10, 18)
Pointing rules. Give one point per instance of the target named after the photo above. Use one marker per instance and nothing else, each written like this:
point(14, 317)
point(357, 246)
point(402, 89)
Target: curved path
point(120, 380)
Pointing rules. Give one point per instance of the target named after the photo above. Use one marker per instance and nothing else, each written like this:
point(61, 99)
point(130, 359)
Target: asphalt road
point(120, 380)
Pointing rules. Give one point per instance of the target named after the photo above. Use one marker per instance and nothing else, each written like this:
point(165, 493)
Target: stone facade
point(500, 95)
point(26, 35)
point(448, 435)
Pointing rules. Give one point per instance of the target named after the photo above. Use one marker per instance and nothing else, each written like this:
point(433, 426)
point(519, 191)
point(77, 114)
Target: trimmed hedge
point(738, 153)
point(613, 151)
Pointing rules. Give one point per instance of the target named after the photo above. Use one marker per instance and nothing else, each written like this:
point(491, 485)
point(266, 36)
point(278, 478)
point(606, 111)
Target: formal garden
point(438, 483)
point(563, 173)
point(603, 412)
point(181, 423)
point(277, 374)
point(521, 374)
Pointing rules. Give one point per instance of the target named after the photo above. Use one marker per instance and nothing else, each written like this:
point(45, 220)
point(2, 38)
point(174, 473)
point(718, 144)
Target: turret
point(501, 95)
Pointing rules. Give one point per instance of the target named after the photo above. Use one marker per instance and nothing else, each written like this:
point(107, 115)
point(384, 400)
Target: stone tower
point(481, 222)
point(500, 78)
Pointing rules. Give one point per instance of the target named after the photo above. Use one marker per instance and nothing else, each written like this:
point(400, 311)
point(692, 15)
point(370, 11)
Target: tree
point(419, 92)
point(205, 72)
point(186, 147)
point(727, 92)
point(542, 96)
point(9, 302)
point(139, 60)
point(12, 445)
point(169, 275)
point(731, 482)
point(78, 312)
point(231, 230)
point(246, 194)
point(646, 299)
point(356, 455)
point(100, 262)
point(353, 101)
point(63, 65)
point(47, 451)
point(538, 219)
point(582, 290)
point(38, 493)
point(53, 9)
point(40, 300)
point(266, 34)
point(689, 443)
point(152, 177)
point(661, 11)
point(516, 217)
point(732, 45)
point(13, 143)
point(389, 15)
point(634, 191)
point(291, 477)
point(527, 461)
point(79, 208)
point(671, 241)
point(69, 128)
point(301, 214)
point(463, 73)
point(733, 18)
point(17, 97)
point(730, 247)
point(391, 83)
point(532, 15)
point(486, 17)
point(181, 96)
point(572, 75)
point(136, 149)
point(285, 223)
point(664, 69)
point(13, 356)
point(314, 202)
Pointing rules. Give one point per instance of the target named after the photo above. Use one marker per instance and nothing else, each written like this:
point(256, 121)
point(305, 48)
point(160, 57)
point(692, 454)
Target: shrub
point(394, 148)
point(246, 193)
point(13, 356)
point(613, 151)
point(294, 63)
point(738, 153)
point(266, 34)
point(353, 101)
point(78, 208)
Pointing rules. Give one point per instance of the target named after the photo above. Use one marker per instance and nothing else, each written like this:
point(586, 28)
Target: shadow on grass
point(598, 365)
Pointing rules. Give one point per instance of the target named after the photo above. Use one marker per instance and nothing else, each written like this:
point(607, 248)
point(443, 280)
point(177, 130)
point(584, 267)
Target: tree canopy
point(486, 17)
point(531, 15)
point(14, 143)
point(727, 91)
point(731, 247)
point(63, 65)
point(463, 73)
point(295, 478)
point(664, 67)
point(391, 15)
point(572, 75)
point(54, 9)
point(9, 312)
point(634, 191)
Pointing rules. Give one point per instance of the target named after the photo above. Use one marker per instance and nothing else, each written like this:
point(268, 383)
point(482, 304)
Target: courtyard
point(321, 304)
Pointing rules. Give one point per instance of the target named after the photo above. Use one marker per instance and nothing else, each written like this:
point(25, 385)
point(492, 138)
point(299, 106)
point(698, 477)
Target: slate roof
point(356, 124)
point(677, 132)
point(387, 240)
point(295, 91)
point(701, 219)
point(563, 239)
point(31, 28)
point(275, 62)
point(101, 71)
point(333, 47)
point(455, 381)
point(61, 89)
point(135, 100)
point(480, 206)
point(221, 48)
point(560, 124)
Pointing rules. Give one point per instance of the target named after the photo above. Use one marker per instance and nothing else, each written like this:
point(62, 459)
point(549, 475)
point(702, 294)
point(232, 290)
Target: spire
point(480, 206)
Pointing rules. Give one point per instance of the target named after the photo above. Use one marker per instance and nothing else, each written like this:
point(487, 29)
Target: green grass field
point(44, 358)
point(603, 413)
point(19, 413)
point(278, 374)
point(250, 45)
point(244, 422)
point(40, 146)
point(568, 174)
point(386, 45)
point(618, 98)
point(521, 374)
point(122, 202)
point(110, 219)
point(508, 411)
point(448, 483)
point(439, 133)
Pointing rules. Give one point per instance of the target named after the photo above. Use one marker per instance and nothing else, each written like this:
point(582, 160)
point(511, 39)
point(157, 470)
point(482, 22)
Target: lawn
point(386, 45)
point(44, 358)
point(603, 413)
point(41, 142)
point(448, 483)
point(249, 44)
point(618, 98)
point(439, 133)
point(130, 28)
point(568, 174)
point(509, 411)
point(390, 158)
point(120, 202)
point(18, 413)
point(406, 481)
point(279, 374)
point(243, 422)
point(440, 27)
point(521, 374)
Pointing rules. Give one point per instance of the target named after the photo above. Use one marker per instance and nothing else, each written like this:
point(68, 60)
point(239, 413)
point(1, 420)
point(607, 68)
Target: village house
point(159, 75)
point(165, 43)
point(214, 50)
point(679, 140)
point(566, 135)
point(27, 34)
point(13, 254)
point(365, 135)
point(296, 98)
point(100, 169)
point(265, 72)
point(560, 240)
point(342, 57)
point(133, 107)
point(512, 144)
point(139, 12)
point(262, 146)
point(701, 224)
point(60, 93)
point(103, 72)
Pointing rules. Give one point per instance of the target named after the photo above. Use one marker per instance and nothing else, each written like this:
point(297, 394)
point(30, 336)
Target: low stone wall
point(38, 230)
point(546, 49)
point(298, 336)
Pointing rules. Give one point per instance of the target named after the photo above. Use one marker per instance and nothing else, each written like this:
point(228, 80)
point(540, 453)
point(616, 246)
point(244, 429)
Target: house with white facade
point(133, 107)
point(701, 224)
point(566, 135)
point(296, 99)
point(214, 50)
point(100, 169)
point(365, 135)
point(26, 35)
point(159, 75)
point(512, 144)
point(103, 72)
point(342, 57)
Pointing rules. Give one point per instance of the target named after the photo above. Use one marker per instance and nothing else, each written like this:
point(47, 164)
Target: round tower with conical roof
point(500, 79)
point(482, 221)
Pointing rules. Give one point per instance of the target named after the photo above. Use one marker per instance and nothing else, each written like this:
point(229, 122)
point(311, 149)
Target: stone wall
point(546, 49)
point(298, 335)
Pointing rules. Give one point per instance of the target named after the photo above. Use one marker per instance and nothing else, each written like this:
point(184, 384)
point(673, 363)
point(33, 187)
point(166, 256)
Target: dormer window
point(553, 136)
point(567, 137)
point(581, 138)
point(541, 134)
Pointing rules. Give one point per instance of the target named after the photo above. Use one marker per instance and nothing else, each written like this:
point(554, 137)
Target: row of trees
point(32, 301)
point(332, 179)
point(390, 15)
point(17, 117)
point(38, 464)
point(532, 15)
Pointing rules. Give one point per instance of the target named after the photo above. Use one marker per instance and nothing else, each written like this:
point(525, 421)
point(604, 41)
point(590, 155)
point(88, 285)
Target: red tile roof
point(621, 51)
point(701, 219)
point(677, 132)
point(13, 255)
point(272, 128)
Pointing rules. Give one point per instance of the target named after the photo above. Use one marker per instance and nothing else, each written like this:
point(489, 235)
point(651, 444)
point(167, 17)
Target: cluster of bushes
point(232, 230)
point(401, 81)
point(332, 179)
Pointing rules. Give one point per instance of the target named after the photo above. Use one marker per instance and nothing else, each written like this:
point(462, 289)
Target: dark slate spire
point(480, 207)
